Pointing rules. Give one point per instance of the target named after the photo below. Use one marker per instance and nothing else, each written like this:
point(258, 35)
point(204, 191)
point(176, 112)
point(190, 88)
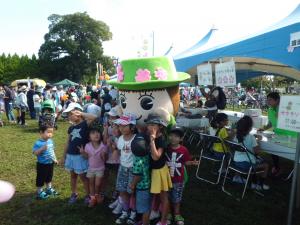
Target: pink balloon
point(7, 190)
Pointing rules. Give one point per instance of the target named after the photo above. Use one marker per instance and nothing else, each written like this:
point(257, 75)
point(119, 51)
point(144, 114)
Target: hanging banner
point(289, 113)
point(225, 74)
point(204, 73)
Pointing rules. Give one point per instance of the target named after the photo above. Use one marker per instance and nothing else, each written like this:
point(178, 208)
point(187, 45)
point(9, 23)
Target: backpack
point(221, 99)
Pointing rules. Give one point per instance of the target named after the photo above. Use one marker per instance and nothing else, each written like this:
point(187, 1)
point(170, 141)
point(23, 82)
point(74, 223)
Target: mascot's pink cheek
point(7, 190)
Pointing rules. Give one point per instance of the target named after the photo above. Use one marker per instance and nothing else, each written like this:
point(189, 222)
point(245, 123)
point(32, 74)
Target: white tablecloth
point(195, 111)
point(233, 116)
point(192, 123)
point(282, 146)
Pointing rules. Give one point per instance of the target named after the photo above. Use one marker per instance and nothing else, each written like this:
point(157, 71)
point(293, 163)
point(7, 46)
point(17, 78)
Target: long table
point(235, 116)
point(281, 146)
point(192, 123)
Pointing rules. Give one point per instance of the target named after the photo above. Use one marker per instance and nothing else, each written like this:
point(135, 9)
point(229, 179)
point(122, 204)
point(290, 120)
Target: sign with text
point(289, 113)
point(295, 39)
point(204, 73)
point(225, 74)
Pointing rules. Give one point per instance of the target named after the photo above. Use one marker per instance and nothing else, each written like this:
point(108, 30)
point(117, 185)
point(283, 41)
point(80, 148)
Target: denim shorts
point(76, 163)
point(143, 201)
point(124, 179)
point(176, 192)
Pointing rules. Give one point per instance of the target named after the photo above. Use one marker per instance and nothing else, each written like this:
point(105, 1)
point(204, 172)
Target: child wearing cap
point(160, 177)
point(78, 137)
point(177, 157)
point(126, 125)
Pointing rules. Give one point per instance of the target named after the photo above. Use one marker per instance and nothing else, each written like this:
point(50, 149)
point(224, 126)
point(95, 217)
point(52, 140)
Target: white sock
point(49, 185)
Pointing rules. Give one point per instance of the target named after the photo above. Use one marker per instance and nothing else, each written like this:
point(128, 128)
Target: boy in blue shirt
point(44, 150)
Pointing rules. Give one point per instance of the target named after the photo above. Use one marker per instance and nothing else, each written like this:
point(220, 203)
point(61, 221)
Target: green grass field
point(203, 204)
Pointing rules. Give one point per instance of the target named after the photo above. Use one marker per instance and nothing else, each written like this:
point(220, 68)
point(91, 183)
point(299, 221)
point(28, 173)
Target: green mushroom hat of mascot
point(147, 85)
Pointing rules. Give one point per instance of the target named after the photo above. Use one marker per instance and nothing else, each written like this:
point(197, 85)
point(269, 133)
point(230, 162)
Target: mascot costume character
point(149, 85)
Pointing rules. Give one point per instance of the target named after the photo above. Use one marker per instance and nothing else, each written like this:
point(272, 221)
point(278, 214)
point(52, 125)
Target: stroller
point(48, 114)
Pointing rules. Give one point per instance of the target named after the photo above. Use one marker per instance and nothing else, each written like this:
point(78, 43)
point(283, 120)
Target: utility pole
point(152, 43)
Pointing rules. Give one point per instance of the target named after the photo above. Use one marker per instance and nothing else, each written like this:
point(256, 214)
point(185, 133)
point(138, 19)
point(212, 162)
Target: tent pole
point(294, 183)
point(297, 190)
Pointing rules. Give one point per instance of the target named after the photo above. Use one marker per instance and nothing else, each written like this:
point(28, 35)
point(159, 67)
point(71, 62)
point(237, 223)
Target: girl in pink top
point(96, 152)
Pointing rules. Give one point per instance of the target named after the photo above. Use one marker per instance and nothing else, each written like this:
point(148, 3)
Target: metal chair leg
point(225, 178)
point(246, 184)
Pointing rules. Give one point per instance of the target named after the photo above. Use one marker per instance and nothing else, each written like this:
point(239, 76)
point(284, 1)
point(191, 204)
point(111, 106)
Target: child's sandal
point(179, 220)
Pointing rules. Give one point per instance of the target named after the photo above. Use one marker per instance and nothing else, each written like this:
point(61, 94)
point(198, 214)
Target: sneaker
point(51, 191)
point(42, 195)
point(113, 204)
point(87, 199)
point(73, 198)
point(118, 209)
point(99, 199)
point(131, 219)
point(179, 220)
point(239, 180)
point(154, 215)
point(263, 187)
point(122, 219)
point(92, 202)
point(169, 219)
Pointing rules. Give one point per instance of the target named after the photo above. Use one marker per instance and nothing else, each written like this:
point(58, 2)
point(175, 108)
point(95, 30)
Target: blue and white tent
point(267, 52)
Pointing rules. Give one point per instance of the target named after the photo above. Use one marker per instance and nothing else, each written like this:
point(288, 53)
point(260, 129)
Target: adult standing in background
point(273, 99)
point(106, 101)
point(113, 93)
point(30, 102)
point(8, 103)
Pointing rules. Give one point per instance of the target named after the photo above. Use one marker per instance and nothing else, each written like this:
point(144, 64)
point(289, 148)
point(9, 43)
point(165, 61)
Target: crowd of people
point(150, 170)
point(147, 164)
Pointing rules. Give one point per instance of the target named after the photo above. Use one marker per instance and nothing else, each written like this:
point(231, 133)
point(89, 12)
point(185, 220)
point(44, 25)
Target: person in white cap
point(92, 108)
point(126, 125)
point(78, 137)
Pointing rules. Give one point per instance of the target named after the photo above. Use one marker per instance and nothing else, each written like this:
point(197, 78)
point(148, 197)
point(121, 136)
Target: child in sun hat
point(78, 137)
point(126, 125)
point(161, 181)
point(44, 150)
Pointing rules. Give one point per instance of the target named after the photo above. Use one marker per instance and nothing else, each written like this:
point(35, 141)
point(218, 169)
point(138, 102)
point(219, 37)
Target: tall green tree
point(72, 47)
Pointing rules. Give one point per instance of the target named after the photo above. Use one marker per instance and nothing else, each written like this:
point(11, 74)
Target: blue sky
point(181, 23)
